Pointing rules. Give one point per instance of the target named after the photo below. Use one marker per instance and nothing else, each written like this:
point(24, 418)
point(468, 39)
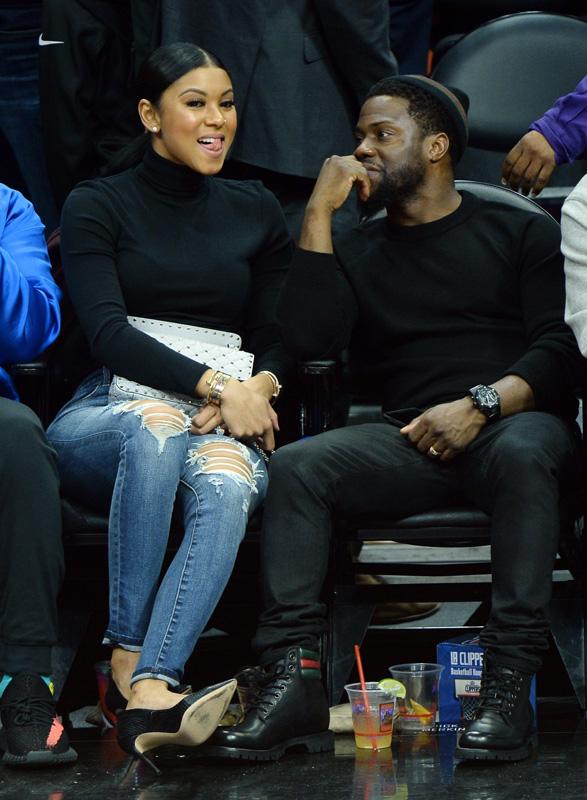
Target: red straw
point(364, 688)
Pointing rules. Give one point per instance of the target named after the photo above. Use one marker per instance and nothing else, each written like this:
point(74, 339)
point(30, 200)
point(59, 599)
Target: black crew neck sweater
point(162, 241)
point(428, 311)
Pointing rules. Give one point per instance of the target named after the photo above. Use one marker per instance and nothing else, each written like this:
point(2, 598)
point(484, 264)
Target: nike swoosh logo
point(43, 42)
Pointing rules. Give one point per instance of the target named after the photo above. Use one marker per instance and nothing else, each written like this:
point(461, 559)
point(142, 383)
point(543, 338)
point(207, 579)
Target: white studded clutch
point(218, 349)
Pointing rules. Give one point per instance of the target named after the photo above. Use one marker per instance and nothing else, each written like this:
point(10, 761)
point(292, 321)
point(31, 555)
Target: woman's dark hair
point(160, 69)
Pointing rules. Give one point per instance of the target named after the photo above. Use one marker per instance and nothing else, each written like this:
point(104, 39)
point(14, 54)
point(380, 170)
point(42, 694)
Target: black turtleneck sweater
point(429, 311)
point(162, 241)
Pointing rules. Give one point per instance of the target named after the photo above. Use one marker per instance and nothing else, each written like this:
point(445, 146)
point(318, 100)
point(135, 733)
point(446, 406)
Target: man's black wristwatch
point(487, 400)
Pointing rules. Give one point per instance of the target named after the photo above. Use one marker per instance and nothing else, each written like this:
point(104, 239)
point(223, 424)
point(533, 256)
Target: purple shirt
point(565, 125)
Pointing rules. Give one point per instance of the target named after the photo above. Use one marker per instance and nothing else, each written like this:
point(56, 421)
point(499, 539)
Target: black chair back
point(513, 69)
point(494, 193)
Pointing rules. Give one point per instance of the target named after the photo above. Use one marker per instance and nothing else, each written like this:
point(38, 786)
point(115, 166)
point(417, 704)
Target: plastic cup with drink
point(418, 700)
point(373, 707)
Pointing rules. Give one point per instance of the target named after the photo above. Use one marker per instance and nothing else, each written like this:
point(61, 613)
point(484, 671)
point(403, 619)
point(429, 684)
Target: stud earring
point(155, 128)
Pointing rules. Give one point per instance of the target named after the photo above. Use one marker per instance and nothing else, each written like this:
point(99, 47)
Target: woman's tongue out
point(213, 145)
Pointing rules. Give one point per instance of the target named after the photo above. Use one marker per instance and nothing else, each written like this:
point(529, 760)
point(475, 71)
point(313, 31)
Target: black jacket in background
point(86, 82)
point(301, 70)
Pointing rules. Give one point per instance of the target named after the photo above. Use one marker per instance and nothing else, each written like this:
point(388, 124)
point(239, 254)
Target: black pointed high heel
point(111, 701)
point(190, 722)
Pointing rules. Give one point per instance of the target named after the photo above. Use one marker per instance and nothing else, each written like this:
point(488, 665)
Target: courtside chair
point(513, 69)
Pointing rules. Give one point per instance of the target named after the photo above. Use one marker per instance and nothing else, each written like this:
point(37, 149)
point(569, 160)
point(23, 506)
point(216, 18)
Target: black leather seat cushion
point(84, 527)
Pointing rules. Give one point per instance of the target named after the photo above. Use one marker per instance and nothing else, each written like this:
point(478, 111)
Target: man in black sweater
point(452, 308)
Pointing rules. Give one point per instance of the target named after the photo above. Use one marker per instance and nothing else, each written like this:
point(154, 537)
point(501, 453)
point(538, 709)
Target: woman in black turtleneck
point(165, 239)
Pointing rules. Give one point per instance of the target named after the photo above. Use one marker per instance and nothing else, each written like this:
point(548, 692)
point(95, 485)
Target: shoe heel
point(188, 723)
point(202, 718)
point(138, 754)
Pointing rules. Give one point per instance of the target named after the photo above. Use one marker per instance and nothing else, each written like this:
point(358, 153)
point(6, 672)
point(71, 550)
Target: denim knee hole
point(226, 459)
point(161, 420)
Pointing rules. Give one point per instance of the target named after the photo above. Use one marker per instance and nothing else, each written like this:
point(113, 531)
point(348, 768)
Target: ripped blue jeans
point(138, 459)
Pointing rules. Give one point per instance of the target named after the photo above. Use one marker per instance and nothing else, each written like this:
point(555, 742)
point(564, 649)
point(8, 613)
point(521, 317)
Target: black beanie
point(454, 101)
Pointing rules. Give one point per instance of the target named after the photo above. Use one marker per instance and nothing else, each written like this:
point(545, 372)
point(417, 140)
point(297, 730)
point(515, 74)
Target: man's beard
point(394, 188)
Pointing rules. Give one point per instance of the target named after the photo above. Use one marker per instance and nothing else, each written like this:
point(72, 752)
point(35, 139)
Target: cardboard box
point(458, 695)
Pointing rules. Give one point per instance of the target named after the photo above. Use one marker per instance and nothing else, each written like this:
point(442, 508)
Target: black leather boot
point(290, 711)
point(503, 728)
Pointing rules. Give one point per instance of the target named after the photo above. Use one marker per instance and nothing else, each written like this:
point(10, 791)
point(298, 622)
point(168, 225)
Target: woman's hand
point(208, 418)
point(247, 413)
point(244, 411)
point(262, 384)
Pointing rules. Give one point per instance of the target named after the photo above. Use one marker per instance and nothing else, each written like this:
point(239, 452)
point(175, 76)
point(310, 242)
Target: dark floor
point(416, 767)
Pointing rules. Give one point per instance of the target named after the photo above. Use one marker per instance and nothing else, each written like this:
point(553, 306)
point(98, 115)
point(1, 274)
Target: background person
point(30, 511)
point(409, 32)
point(89, 60)
point(165, 239)
point(558, 137)
point(574, 248)
point(21, 131)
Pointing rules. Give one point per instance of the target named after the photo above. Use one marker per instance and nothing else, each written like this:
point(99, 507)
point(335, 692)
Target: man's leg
point(354, 470)
point(517, 471)
point(31, 569)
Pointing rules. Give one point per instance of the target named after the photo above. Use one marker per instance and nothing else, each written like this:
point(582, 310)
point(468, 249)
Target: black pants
point(31, 562)
point(514, 471)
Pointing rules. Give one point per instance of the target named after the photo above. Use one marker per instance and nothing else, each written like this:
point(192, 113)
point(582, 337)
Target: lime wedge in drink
point(393, 687)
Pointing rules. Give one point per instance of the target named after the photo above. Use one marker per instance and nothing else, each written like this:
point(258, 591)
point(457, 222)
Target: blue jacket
point(29, 297)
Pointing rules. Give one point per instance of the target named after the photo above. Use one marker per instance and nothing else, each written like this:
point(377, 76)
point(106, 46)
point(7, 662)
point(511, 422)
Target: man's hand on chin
point(336, 179)
point(444, 431)
point(335, 182)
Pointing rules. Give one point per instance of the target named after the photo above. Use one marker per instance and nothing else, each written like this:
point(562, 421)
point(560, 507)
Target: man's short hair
point(435, 108)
